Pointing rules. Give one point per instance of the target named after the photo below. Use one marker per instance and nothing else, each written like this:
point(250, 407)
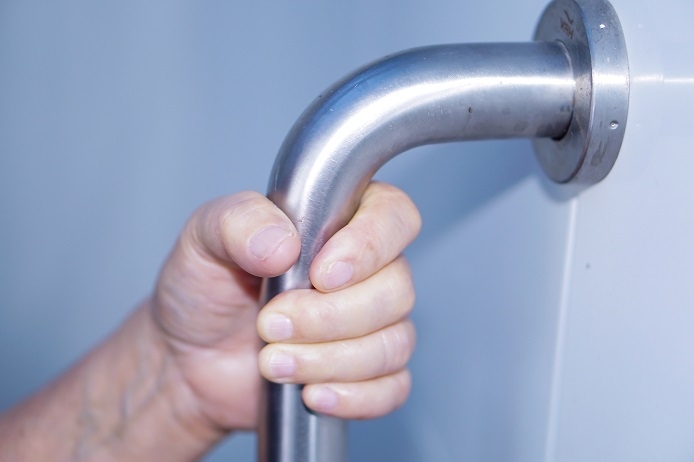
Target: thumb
point(205, 285)
point(245, 229)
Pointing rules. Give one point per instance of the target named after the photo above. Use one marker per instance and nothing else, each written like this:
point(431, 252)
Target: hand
point(349, 339)
point(182, 371)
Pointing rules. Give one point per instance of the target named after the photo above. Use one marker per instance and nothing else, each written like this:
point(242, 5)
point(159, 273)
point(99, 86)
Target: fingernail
point(279, 327)
point(281, 365)
point(339, 273)
point(266, 241)
point(323, 399)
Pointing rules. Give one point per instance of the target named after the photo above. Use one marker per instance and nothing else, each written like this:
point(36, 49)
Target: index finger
point(385, 223)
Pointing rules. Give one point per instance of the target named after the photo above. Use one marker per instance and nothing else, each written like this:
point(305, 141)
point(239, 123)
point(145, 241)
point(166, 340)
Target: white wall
point(550, 327)
point(626, 370)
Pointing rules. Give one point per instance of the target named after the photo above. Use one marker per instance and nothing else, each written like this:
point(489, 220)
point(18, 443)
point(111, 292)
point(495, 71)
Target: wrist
point(158, 417)
point(124, 401)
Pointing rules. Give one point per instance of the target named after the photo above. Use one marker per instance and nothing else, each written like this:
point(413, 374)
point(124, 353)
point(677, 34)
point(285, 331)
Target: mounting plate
point(592, 35)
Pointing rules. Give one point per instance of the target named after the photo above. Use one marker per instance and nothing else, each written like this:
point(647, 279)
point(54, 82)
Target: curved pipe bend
point(422, 96)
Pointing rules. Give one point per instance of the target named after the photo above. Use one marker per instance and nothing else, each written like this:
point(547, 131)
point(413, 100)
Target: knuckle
point(397, 345)
point(402, 282)
point(316, 316)
point(366, 239)
point(316, 364)
point(406, 212)
point(320, 320)
point(413, 215)
point(402, 384)
point(327, 363)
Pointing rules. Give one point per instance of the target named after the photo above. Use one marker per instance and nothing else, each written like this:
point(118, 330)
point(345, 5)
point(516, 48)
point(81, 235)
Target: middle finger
point(310, 316)
point(374, 355)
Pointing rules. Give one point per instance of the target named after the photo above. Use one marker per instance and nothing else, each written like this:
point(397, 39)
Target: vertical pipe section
point(421, 96)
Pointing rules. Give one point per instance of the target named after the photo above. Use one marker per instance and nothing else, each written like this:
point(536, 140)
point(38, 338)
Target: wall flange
point(593, 38)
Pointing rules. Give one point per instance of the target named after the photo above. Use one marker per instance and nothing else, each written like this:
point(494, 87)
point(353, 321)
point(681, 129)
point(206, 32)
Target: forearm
point(124, 401)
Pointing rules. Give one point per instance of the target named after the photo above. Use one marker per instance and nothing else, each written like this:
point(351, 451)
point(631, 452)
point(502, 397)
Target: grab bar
point(569, 90)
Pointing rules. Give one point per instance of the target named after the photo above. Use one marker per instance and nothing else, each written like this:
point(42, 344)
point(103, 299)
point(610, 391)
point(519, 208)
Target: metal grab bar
point(570, 88)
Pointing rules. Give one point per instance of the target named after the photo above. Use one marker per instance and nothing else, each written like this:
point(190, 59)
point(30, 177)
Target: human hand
point(349, 339)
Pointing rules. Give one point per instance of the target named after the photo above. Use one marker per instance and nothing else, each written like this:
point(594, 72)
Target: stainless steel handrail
point(422, 96)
